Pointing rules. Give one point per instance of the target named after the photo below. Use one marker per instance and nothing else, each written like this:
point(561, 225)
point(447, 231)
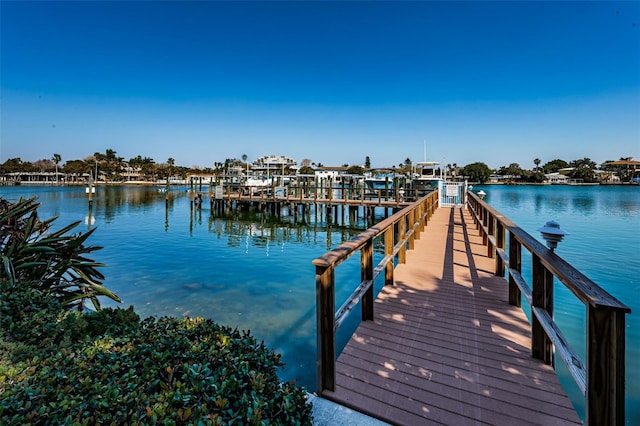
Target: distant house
point(494, 178)
point(273, 164)
point(557, 178)
point(627, 169)
point(34, 178)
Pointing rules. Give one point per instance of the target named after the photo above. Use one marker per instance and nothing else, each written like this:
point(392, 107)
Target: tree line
point(581, 169)
point(115, 168)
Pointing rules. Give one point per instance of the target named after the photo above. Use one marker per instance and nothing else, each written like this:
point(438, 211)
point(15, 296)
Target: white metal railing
point(452, 194)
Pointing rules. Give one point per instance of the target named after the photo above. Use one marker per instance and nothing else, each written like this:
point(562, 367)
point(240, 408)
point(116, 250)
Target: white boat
point(379, 181)
point(256, 184)
point(428, 175)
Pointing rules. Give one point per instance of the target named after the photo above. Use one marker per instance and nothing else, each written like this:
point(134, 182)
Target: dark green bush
point(33, 322)
point(168, 371)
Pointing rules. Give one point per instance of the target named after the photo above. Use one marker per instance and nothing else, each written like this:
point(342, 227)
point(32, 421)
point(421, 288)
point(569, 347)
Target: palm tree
point(536, 162)
point(171, 162)
point(56, 159)
point(244, 159)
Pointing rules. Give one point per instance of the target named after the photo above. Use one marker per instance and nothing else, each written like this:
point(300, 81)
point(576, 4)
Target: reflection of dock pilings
point(301, 211)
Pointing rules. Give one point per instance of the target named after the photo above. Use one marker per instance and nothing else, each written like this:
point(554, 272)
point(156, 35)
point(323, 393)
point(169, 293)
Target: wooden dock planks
point(445, 347)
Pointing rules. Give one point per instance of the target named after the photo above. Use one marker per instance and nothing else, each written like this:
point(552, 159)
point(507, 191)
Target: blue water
point(254, 272)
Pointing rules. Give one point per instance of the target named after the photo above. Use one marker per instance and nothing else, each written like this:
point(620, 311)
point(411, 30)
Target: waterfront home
point(557, 178)
point(626, 169)
point(39, 178)
point(273, 164)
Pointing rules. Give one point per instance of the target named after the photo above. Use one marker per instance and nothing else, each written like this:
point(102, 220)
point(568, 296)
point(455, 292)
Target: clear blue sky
point(334, 82)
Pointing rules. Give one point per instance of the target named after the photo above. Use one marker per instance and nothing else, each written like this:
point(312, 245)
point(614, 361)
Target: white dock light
point(482, 194)
point(552, 233)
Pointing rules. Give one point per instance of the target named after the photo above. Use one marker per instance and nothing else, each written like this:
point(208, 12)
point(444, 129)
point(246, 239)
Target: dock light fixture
point(552, 233)
point(482, 194)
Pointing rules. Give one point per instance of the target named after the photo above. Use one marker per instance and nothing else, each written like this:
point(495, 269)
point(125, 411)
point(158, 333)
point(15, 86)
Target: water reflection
point(538, 202)
point(583, 205)
point(512, 198)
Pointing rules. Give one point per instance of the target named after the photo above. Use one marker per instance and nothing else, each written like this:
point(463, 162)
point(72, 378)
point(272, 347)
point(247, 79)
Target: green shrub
point(115, 322)
point(33, 323)
point(168, 371)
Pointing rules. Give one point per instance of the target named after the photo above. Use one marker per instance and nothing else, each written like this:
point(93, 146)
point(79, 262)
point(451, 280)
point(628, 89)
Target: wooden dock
point(445, 346)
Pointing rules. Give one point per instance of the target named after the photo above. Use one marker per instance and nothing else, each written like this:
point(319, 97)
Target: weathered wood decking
point(445, 347)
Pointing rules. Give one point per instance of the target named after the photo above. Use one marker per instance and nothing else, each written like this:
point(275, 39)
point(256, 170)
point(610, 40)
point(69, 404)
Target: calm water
point(255, 272)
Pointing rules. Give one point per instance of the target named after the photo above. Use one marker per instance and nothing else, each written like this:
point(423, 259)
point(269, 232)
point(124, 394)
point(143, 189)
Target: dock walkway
point(445, 346)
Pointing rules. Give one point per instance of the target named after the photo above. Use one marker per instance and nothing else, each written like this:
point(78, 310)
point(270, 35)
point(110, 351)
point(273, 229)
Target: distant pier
point(334, 200)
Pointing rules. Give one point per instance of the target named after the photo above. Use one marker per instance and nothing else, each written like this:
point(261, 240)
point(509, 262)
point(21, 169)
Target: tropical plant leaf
point(54, 261)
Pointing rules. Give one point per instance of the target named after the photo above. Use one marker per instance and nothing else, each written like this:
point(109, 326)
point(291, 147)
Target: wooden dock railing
point(601, 378)
point(399, 232)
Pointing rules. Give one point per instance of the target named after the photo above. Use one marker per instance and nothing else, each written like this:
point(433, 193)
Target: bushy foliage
point(554, 165)
point(306, 170)
point(476, 172)
point(355, 170)
point(126, 371)
point(33, 322)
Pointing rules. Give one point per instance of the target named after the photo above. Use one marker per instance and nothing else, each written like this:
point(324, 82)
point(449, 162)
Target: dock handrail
point(399, 231)
point(601, 378)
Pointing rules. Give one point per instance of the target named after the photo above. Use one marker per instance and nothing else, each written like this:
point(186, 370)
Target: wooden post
point(366, 274)
point(490, 232)
point(388, 250)
point(326, 339)
point(412, 240)
point(433, 203)
point(515, 263)
point(486, 218)
point(419, 220)
point(542, 293)
point(90, 192)
point(192, 191)
point(315, 191)
point(402, 234)
point(273, 188)
point(166, 192)
point(386, 188)
point(605, 366)
point(500, 234)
